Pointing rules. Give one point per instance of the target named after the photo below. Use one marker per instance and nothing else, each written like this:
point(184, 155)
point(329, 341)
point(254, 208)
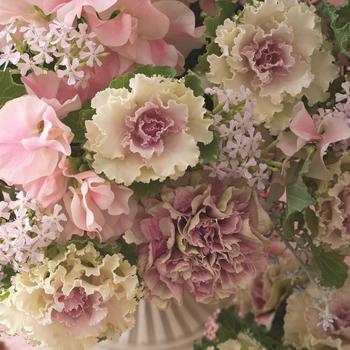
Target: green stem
point(269, 147)
point(272, 163)
point(218, 108)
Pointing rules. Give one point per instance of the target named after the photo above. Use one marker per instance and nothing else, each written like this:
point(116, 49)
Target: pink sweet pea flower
point(32, 140)
point(49, 190)
point(98, 207)
point(303, 130)
point(54, 91)
point(14, 343)
point(336, 3)
point(73, 9)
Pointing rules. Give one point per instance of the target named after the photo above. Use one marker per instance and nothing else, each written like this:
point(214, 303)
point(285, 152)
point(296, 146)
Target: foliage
point(340, 26)
point(231, 324)
point(76, 121)
point(9, 89)
point(148, 70)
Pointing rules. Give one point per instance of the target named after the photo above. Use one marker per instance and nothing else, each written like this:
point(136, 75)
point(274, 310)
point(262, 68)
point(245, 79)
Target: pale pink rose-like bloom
point(32, 140)
point(65, 98)
point(14, 343)
point(200, 239)
point(133, 34)
point(54, 91)
point(208, 6)
point(49, 190)
point(98, 207)
point(99, 77)
point(304, 129)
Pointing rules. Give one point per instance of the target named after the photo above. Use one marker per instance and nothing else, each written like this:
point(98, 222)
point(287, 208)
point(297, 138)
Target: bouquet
point(152, 148)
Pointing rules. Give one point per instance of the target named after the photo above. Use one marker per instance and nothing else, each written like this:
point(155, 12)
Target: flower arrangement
point(154, 148)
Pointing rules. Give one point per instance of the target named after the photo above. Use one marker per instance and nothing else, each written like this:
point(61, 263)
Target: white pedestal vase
point(172, 329)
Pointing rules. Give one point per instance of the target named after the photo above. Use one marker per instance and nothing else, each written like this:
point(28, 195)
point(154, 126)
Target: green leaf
point(289, 224)
point(149, 70)
point(210, 152)
point(194, 83)
point(298, 197)
point(340, 25)
point(331, 266)
point(142, 189)
point(76, 121)
point(122, 82)
point(227, 8)
point(8, 88)
point(203, 64)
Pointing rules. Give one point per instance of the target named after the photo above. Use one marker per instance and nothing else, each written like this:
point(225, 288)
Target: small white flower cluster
point(25, 232)
point(240, 142)
point(326, 318)
point(32, 49)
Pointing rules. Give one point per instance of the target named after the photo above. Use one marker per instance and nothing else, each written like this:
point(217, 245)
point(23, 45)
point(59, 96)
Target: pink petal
point(302, 124)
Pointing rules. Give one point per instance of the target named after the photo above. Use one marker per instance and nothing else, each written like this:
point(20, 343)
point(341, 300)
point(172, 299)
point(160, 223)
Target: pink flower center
point(147, 129)
point(269, 58)
point(75, 305)
point(342, 320)
point(344, 196)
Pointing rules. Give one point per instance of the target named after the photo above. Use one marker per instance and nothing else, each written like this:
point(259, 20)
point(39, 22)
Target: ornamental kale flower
point(25, 232)
point(333, 210)
point(318, 318)
point(73, 299)
point(148, 133)
point(200, 238)
point(277, 50)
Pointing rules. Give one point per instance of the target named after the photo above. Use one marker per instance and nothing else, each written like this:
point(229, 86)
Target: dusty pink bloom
point(211, 326)
point(30, 134)
point(304, 129)
point(268, 289)
point(98, 207)
point(54, 91)
point(200, 238)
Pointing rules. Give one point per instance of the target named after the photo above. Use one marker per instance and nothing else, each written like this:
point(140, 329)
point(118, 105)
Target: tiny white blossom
point(92, 55)
point(7, 32)
point(27, 64)
point(9, 55)
point(72, 71)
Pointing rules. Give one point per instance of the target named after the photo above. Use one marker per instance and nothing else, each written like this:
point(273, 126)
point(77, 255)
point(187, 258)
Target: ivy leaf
point(9, 89)
point(210, 152)
point(332, 267)
point(227, 8)
point(194, 83)
point(340, 25)
point(142, 189)
point(76, 121)
point(203, 64)
point(149, 70)
point(298, 197)
point(122, 82)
